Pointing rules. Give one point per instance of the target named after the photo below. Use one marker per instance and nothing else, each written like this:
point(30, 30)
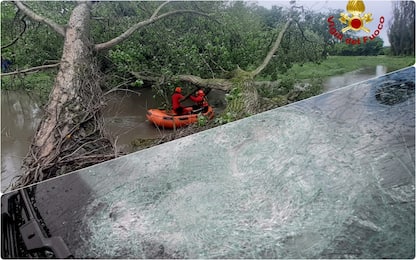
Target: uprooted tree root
point(85, 144)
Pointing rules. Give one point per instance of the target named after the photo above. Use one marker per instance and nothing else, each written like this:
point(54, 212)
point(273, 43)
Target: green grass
point(335, 65)
point(314, 74)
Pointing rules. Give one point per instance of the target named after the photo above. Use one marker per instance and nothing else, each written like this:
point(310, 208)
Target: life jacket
point(175, 100)
point(203, 102)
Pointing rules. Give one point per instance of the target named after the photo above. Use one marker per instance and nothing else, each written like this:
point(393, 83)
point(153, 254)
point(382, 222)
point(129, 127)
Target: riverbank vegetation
point(39, 84)
point(335, 65)
point(263, 58)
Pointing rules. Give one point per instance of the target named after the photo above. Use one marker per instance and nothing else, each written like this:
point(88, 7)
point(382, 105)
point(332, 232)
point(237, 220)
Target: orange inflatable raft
point(168, 119)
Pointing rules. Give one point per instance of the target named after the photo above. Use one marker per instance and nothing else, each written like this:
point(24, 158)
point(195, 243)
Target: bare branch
point(131, 30)
point(221, 84)
point(30, 69)
point(158, 9)
point(146, 76)
point(272, 50)
point(124, 89)
point(302, 31)
point(18, 37)
point(32, 15)
point(118, 88)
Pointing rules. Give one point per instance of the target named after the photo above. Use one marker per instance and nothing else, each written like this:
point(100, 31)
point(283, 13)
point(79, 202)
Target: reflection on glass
point(327, 177)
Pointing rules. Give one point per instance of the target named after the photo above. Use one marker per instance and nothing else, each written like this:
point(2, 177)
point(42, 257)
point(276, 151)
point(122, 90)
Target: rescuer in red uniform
point(200, 100)
point(177, 98)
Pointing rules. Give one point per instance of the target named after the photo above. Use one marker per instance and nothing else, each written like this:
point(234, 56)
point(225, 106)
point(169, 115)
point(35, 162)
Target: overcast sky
point(377, 8)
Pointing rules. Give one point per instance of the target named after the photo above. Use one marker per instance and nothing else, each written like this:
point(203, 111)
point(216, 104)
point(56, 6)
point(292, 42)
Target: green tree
point(228, 51)
point(402, 28)
point(23, 40)
point(370, 48)
point(262, 52)
point(71, 136)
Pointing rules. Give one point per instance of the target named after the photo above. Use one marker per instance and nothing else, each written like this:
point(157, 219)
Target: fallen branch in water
point(121, 89)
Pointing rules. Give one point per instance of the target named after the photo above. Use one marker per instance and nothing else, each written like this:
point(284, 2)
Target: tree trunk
point(70, 136)
point(246, 100)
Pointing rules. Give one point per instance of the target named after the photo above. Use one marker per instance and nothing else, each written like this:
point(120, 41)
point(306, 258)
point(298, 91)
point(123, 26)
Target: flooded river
point(353, 77)
point(125, 118)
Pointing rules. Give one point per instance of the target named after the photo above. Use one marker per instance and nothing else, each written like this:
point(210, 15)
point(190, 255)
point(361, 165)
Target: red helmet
point(201, 92)
point(178, 89)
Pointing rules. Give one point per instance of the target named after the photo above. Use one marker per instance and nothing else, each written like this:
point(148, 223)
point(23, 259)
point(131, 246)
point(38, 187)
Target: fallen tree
point(246, 100)
point(71, 135)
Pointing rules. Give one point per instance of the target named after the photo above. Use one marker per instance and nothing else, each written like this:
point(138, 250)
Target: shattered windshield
point(327, 177)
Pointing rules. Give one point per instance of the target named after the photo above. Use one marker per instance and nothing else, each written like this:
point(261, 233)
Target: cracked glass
point(329, 177)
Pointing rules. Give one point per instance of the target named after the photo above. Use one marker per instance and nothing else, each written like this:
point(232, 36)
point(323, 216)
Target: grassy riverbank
point(335, 65)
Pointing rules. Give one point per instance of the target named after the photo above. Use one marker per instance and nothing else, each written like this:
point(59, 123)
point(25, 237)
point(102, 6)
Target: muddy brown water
point(124, 116)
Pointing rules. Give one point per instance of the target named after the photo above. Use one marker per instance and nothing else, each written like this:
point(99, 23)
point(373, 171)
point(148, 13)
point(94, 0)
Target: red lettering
point(332, 30)
point(353, 41)
point(382, 19)
point(379, 27)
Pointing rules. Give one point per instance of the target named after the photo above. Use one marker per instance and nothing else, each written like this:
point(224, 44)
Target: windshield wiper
point(23, 234)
